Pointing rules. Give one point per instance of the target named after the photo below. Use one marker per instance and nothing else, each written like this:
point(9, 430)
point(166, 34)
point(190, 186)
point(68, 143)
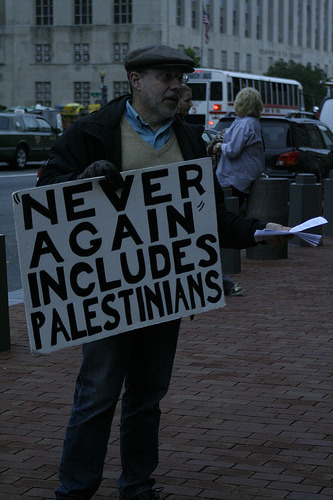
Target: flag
point(205, 20)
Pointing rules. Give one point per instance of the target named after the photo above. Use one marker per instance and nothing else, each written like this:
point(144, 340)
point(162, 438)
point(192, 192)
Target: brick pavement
point(248, 414)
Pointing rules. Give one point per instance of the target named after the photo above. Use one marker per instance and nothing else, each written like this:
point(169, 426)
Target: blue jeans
point(228, 284)
point(143, 359)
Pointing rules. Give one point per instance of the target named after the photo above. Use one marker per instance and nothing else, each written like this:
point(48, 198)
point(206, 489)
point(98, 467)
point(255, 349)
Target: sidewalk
point(249, 411)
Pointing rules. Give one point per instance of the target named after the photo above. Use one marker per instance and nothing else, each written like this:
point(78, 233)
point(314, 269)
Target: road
point(11, 181)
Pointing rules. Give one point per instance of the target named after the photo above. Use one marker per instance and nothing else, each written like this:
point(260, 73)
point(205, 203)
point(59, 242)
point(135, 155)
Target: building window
point(223, 16)
point(248, 63)
point(82, 12)
point(180, 14)
point(247, 31)
point(120, 88)
point(119, 51)
point(224, 59)
point(259, 20)
point(210, 58)
point(308, 24)
point(42, 53)
point(44, 12)
point(300, 23)
point(236, 61)
point(281, 21)
point(195, 14)
point(123, 11)
point(43, 93)
point(317, 27)
point(235, 18)
point(325, 37)
point(291, 22)
point(270, 23)
point(81, 52)
point(82, 93)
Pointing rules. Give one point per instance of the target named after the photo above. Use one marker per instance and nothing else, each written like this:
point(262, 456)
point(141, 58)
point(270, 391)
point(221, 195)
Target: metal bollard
point(231, 257)
point(328, 205)
point(4, 312)
point(268, 202)
point(305, 202)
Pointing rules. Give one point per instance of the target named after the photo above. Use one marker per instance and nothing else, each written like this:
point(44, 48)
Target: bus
point(214, 92)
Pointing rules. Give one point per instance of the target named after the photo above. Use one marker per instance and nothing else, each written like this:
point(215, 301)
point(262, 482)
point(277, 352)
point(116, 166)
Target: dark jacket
point(98, 137)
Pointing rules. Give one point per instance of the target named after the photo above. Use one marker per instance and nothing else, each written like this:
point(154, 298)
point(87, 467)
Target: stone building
point(54, 52)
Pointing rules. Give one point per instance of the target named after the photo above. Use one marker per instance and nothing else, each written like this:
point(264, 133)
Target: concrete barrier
point(231, 257)
point(328, 205)
point(268, 202)
point(4, 312)
point(305, 202)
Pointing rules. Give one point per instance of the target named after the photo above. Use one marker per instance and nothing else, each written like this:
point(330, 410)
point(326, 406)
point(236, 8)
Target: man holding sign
point(133, 131)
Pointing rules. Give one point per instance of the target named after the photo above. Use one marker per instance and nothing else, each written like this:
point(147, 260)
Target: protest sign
point(95, 262)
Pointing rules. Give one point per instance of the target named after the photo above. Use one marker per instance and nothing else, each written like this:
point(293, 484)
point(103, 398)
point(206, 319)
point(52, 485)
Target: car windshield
point(4, 123)
point(224, 123)
point(276, 134)
point(327, 135)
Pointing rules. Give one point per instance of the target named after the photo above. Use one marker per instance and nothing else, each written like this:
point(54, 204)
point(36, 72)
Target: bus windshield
point(198, 91)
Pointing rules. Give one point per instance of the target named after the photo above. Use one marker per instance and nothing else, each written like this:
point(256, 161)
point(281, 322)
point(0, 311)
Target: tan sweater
point(137, 153)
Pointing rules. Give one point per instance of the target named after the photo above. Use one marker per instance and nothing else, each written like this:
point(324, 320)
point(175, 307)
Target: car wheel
point(21, 157)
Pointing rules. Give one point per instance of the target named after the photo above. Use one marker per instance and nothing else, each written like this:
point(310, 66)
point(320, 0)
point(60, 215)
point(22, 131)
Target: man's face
point(157, 98)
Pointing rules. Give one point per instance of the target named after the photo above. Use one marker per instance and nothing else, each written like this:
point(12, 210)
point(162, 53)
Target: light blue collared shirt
point(157, 140)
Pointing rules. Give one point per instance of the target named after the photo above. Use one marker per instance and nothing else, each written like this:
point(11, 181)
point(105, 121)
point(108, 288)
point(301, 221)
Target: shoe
point(144, 495)
point(235, 291)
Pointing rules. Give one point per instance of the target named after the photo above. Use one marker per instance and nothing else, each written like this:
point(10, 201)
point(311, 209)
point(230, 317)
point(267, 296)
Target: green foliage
point(191, 53)
point(309, 77)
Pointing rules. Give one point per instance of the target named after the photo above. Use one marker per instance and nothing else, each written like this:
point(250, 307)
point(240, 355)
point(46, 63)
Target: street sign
point(95, 94)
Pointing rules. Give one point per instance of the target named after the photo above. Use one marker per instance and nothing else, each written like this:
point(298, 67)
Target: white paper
point(312, 239)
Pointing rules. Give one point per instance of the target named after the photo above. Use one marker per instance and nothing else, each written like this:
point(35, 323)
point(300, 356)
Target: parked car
point(293, 145)
point(25, 137)
point(326, 112)
point(209, 134)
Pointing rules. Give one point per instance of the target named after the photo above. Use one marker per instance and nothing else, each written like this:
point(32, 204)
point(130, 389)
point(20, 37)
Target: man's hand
point(278, 240)
point(106, 169)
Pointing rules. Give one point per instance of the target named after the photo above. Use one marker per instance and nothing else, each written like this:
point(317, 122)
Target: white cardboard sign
point(96, 263)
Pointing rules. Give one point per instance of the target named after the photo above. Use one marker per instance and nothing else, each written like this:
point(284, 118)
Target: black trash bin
point(268, 202)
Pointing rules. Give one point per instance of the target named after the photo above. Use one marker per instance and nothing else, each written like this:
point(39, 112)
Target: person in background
point(132, 131)
point(184, 105)
point(184, 102)
point(242, 158)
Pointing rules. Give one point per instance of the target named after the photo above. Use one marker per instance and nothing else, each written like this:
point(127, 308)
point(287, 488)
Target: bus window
point(216, 91)
point(230, 96)
point(297, 98)
point(280, 96)
point(290, 95)
point(263, 92)
point(268, 93)
point(274, 94)
point(236, 86)
point(198, 91)
point(285, 94)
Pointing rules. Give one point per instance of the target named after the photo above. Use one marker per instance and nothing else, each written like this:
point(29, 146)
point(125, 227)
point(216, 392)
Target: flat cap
point(158, 55)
